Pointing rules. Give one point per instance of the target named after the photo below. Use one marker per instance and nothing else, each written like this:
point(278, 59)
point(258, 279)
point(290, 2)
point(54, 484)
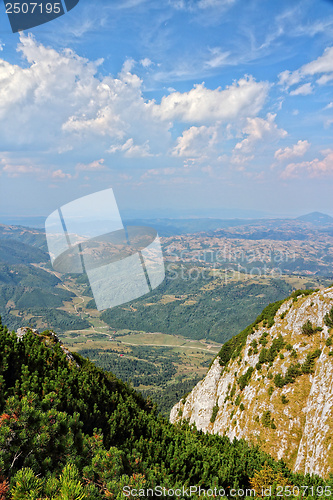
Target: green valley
point(162, 343)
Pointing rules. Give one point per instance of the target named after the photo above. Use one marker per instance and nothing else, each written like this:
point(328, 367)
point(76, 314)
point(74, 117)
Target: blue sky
point(181, 106)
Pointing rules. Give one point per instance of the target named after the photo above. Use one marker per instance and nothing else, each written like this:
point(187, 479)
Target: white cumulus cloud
point(60, 175)
point(17, 170)
point(288, 78)
point(193, 5)
point(304, 89)
point(92, 166)
point(314, 168)
point(298, 149)
point(195, 142)
point(146, 62)
point(57, 98)
point(132, 150)
point(59, 102)
point(257, 129)
point(323, 65)
point(202, 105)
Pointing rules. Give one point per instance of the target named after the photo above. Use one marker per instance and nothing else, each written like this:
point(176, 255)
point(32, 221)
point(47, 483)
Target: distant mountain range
point(174, 219)
point(36, 222)
point(297, 228)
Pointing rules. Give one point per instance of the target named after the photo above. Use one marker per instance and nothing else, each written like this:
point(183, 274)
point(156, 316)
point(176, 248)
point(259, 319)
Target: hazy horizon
point(39, 221)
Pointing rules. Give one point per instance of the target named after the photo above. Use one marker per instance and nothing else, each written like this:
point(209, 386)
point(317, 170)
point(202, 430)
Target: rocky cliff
point(273, 384)
point(49, 339)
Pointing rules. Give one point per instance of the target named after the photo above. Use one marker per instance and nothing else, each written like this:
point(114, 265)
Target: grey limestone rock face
point(21, 332)
point(300, 422)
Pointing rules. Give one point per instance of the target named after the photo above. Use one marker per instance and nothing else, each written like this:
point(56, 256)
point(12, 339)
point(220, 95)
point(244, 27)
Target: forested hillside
point(69, 430)
point(26, 289)
point(206, 307)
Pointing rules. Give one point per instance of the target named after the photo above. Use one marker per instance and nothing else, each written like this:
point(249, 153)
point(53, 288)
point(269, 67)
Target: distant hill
point(316, 218)
point(14, 252)
point(28, 236)
point(171, 227)
point(216, 313)
point(32, 222)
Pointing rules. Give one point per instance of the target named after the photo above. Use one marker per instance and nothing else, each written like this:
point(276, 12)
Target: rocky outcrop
point(50, 339)
point(278, 392)
point(21, 332)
